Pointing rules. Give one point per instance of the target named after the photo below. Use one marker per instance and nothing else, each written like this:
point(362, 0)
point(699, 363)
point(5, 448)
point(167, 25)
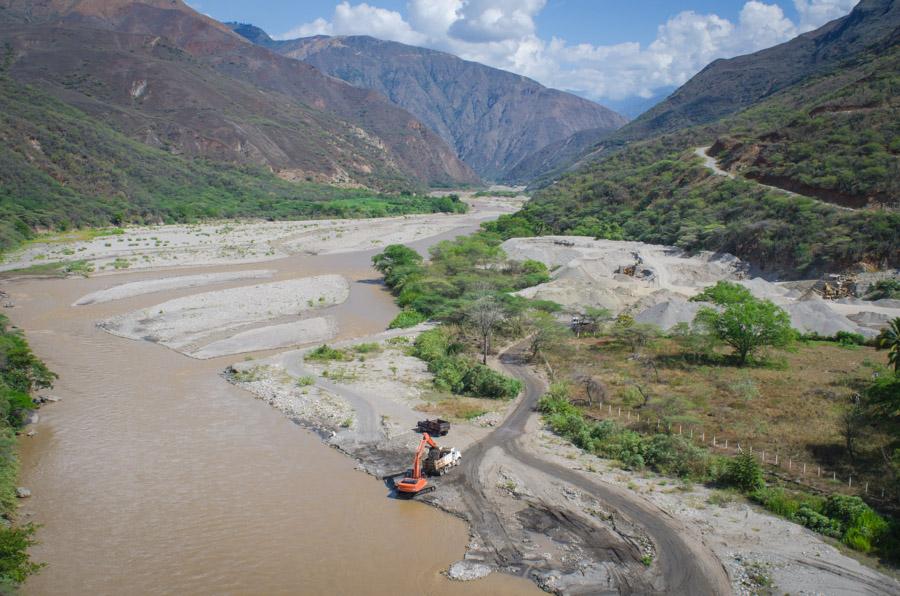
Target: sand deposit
point(184, 323)
point(233, 242)
point(152, 286)
point(654, 284)
point(297, 333)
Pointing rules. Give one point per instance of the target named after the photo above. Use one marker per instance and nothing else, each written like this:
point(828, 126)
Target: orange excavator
point(439, 461)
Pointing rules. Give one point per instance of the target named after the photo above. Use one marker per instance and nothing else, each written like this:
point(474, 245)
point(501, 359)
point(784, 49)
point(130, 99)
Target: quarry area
point(655, 283)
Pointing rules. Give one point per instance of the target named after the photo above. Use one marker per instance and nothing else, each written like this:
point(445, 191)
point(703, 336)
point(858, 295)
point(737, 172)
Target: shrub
point(845, 338)
point(674, 455)
point(325, 353)
point(15, 565)
point(407, 318)
point(482, 381)
point(743, 472)
point(431, 344)
point(817, 522)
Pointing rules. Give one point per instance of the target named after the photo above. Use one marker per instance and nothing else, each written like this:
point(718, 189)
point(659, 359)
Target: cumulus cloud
point(815, 13)
point(502, 33)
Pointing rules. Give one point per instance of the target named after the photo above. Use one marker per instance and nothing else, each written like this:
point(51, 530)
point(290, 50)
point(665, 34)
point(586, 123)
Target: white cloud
point(815, 13)
point(502, 33)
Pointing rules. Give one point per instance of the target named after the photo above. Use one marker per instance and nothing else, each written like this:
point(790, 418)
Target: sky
point(599, 49)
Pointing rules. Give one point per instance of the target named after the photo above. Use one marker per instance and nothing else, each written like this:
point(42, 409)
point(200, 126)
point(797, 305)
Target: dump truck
point(435, 428)
point(441, 459)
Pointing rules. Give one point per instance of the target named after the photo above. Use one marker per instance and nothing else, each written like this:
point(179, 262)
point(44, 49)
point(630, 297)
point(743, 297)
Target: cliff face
point(492, 118)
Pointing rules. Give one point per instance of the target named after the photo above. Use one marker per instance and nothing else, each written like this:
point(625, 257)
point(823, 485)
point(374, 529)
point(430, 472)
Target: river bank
point(194, 487)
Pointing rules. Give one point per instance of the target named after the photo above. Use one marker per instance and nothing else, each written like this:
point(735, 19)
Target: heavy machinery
point(436, 428)
point(438, 462)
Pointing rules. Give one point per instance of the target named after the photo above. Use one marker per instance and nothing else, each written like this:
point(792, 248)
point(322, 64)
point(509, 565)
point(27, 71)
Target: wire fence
point(784, 464)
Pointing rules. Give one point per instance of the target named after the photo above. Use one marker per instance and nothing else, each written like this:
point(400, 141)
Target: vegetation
point(455, 372)
point(325, 353)
point(21, 374)
point(658, 191)
point(61, 169)
point(886, 288)
point(466, 285)
point(890, 340)
point(743, 322)
point(843, 517)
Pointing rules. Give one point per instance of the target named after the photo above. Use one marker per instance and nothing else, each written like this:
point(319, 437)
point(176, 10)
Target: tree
point(724, 293)
point(747, 326)
point(546, 332)
point(485, 315)
point(397, 263)
point(890, 341)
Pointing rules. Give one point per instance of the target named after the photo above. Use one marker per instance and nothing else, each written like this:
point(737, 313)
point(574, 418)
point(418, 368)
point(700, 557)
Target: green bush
point(676, 456)
point(845, 338)
point(407, 318)
point(482, 381)
point(15, 564)
point(743, 472)
point(325, 353)
point(817, 522)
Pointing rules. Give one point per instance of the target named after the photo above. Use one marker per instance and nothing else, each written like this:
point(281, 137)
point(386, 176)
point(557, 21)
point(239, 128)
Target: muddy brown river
point(154, 475)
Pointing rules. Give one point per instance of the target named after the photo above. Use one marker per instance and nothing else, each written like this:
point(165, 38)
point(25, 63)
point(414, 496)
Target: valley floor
point(537, 507)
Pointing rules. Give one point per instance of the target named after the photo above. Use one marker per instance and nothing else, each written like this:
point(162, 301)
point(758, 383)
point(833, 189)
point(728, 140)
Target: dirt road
point(711, 163)
point(681, 565)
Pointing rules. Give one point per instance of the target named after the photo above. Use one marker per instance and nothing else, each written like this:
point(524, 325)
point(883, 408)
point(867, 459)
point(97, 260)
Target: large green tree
point(744, 322)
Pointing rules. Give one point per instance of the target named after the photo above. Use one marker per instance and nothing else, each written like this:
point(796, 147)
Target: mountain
point(161, 73)
point(725, 87)
point(728, 86)
point(632, 107)
point(492, 118)
point(831, 136)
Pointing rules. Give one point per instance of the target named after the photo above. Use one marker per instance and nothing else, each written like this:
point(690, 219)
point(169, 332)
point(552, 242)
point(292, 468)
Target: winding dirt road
point(682, 565)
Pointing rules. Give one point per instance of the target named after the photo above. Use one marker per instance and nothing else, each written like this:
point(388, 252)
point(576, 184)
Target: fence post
point(804, 469)
point(714, 440)
point(819, 471)
point(679, 429)
point(703, 437)
point(834, 475)
point(726, 444)
point(619, 415)
point(790, 464)
point(867, 488)
point(610, 409)
point(776, 458)
point(850, 481)
point(764, 457)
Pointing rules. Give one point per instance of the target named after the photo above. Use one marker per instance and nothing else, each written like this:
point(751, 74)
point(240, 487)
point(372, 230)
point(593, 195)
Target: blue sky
point(601, 49)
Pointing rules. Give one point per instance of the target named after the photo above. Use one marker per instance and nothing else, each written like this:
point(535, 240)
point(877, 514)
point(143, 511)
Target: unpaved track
point(682, 566)
point(713, 164)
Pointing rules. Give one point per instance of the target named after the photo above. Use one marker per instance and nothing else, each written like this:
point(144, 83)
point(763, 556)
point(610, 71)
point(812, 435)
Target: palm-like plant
point(890, 340)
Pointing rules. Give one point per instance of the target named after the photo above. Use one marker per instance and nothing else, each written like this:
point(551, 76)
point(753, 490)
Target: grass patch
point(325, 353)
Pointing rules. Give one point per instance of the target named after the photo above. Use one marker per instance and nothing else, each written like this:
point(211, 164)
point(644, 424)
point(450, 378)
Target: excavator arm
point(417, 462)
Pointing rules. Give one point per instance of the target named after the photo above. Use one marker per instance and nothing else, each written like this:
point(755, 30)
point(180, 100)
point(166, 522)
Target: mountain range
point(806, 139)
point(492, 118)
point(727, 86)
point(162, 73)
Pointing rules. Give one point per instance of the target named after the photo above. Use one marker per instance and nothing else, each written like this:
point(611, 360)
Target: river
point(154, 475)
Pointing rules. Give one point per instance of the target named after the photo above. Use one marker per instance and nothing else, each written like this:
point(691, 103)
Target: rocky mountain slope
point(492, 118)
point(829, 138)
point(726, 87)
point(176, 80)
